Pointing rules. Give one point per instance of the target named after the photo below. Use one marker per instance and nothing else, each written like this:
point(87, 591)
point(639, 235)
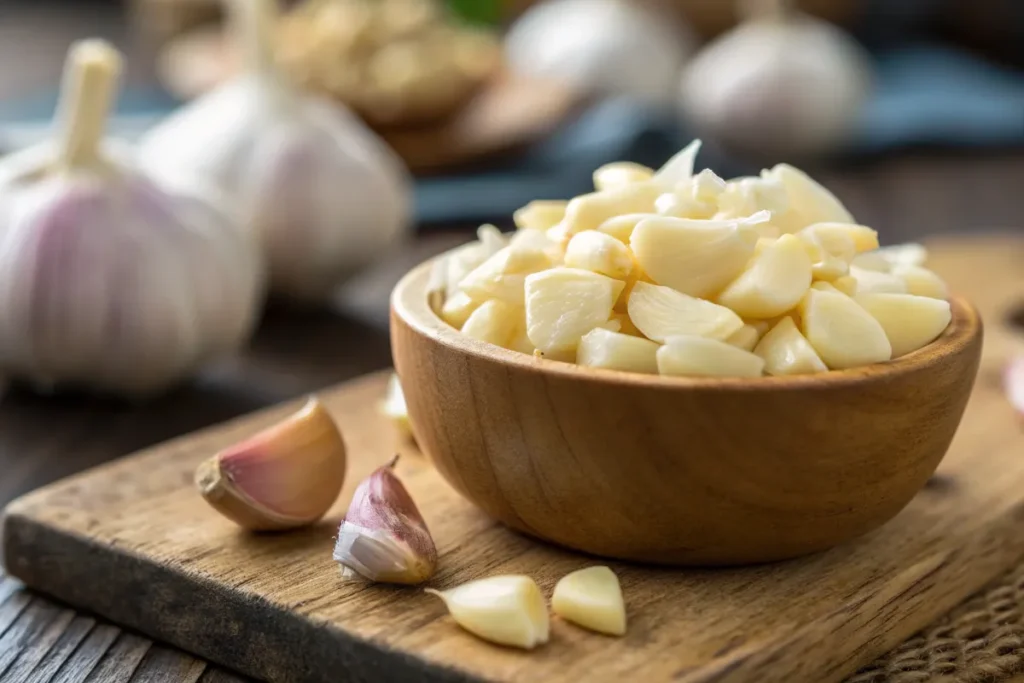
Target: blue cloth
point(924, 95)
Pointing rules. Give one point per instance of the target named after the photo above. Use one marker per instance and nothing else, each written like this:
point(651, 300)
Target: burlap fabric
point(981, 641)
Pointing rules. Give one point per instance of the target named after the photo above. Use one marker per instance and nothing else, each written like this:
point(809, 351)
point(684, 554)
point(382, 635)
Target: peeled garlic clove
point(846, 284)
point(507, 610)
point(601, 348)
point(873, 281)
point(394, 408)
point(457, 308)
point(626, 325)
point(284, 477)
point(112, 282)
point(837, 238)
point(910, 322)
point(540, 214)
point(621, 227)
point(694, 198)
point(809, 201)
point(679, 168)
point(591, 598)
point(563, 304)
point(841, 331)
point(703, 357)
point(502, 275)
point(494, 322)
point(620, 173)
point(787, 352)
point(384, 538)
point(744, 338)
point(907, 254)
point(695, 257)
point(661, 312)
point(600, 253)
point(321, 192)
point(465, 259)
point(921, 281)
point(747, 195)
point(589, 211)
point(774, 282)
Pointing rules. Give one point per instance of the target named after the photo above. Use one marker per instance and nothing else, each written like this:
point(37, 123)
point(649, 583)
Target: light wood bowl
point(679, 471)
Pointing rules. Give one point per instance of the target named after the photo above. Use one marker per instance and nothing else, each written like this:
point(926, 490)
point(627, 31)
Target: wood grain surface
point(274, 607)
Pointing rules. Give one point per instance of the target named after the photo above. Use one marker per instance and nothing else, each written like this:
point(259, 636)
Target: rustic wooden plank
point(216, 675)
point(78, 667)
point(119, 662)
point(70, 638)
point(30, 637)
point(12, 608)
point(274, 607)
point(164, 665)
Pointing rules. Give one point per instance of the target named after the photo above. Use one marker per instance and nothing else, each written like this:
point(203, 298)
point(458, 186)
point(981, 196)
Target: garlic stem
point(253, 24)
point(90, 78)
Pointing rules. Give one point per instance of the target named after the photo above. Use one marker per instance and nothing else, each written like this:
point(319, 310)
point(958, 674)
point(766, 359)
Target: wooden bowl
point(680, 471)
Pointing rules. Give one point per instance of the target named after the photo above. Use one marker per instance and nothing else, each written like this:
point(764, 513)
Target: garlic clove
point(873, 281)
point(702, 357)
point(502, 276)
point(457, 308)
point(692, 256)
point(745, 338)
point(787, 352)
point(679, 168)
point(591, 598)
point(393, 406)
point(601, 348)
point(846, 284)
point(774, 282)
point(621, 227)
point(907, 254)
point(910, 322)
point(842, 333)
point(809, 201)
point(384, 537)
point(494, 322)
point(747, 195)
point(661, 312)
point(465, 259)
point(589, 211)
point(563, 304)
point(507, 610)
point(600, 253)
point(921, 281)
point(620, 173)
point(284, 477)
point(540, 214)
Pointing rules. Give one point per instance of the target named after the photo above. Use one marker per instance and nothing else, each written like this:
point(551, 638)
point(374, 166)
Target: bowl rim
point(409, 302)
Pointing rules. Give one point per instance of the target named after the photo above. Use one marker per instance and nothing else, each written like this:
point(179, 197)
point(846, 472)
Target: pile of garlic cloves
point(108, 280)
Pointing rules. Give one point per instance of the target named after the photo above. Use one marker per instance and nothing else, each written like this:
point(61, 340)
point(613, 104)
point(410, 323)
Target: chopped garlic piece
point(601, 348)
point(457, 308)
point(775, 281)
point(910, 322)
point(502, 276)
point(600, 253)
point(591, 598)
point(662, 312)
point(540, 214)
point(703, 357)
point(507, 610)
point(563, 304)
point(494, 321)
point(787, 352)
point(841, 331)
point(619, 173)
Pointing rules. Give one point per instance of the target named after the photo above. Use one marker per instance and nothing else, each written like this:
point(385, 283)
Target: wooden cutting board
point(133, 542)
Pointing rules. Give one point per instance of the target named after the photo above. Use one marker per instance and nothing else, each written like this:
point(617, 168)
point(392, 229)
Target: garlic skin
point(507, 610)
point(320, 191)
point(284, 477)
point(781, 83)
point(109, 281)
point(601, 47)
point(384, 538)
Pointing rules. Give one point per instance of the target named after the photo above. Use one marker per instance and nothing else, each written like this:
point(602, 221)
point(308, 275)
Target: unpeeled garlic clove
point(284, 477)
point(591, 598)
point(384, 537)
point(507, 610)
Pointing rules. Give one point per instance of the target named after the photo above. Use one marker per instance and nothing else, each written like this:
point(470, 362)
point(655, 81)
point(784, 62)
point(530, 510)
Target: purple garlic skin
point(384, 537)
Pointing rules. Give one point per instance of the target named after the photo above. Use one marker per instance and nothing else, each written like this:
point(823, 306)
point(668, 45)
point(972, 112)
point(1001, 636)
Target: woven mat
point(981, 641)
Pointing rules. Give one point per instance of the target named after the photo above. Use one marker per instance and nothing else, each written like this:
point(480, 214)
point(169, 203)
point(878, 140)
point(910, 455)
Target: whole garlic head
point(780, 83)
point(107, 280)
point(322, 193)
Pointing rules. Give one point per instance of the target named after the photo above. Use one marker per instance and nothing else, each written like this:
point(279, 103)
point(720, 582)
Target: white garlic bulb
point(108, 281)
point(322, 193)
point(604, 47)
point(781, 83)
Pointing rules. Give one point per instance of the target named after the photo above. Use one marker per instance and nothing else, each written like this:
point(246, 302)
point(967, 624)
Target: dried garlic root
point(678, 272)
point(591, 598)
point(507, 610)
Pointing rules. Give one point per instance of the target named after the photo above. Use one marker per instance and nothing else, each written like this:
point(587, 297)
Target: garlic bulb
point(617, 47)
point(322, 193)
point(108, 281)
point(780, 83)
